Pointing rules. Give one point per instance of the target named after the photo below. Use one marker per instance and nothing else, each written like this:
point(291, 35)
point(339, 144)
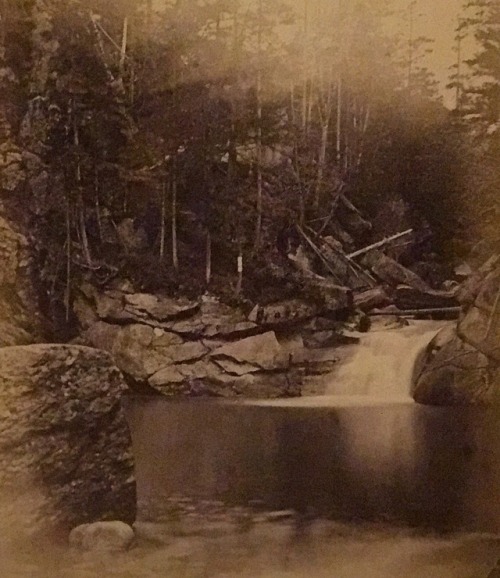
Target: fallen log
point(411, 298)
point(391, 272)
point(356, 276)
point(350, 218)
point(316, 250)
point(371, 298)
point(429, 311)
point(379, 243)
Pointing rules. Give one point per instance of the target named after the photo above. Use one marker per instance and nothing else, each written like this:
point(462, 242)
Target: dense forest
point(161, 140)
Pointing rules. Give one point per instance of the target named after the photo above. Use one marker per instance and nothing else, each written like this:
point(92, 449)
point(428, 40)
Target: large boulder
point(455, 373)
point(140, 350)
point(480, 327)
point(163, 361)
point(112, 536)
point(254, 353)
point(463, 366)
point(65, 448)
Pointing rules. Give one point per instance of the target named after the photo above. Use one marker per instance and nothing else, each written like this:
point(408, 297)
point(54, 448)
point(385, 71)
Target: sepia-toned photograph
point(250, 288)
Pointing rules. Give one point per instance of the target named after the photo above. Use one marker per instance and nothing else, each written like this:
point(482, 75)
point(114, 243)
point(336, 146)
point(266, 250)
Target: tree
point(481, 114)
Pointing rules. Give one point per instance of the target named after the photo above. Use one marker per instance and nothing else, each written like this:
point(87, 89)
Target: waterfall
point(382, 364)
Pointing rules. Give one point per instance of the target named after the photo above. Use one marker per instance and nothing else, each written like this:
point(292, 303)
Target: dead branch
point(379, 243)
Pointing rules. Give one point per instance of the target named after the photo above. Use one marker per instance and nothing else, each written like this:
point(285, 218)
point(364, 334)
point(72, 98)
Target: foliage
point(226, 122)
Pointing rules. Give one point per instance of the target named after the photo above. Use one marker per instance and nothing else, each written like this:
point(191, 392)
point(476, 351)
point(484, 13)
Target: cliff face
point(20, 320)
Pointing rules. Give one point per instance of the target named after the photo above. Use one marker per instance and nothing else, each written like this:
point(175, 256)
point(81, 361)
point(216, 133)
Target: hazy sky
point(438, 21)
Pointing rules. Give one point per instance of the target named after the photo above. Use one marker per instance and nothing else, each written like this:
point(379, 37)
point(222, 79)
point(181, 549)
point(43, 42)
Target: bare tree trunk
point(321, 163)
point(239, 264)
point(362, 140)
point(208, 262)
point(67, 293)
point(81, 205)
point(97, 203)
point(163, 219)
point(175, 258)
point(132, 84)
point(459, 37)
point(83, 230)
point(411, 8)
point(258, 225)
point(338, 143)
point(123, 51)
point(296, 166)
point(305, 65)
point(3, 22)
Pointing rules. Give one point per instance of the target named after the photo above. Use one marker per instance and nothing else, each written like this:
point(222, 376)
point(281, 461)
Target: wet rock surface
point(457, 374)
point(462, 367)
point(64, 443)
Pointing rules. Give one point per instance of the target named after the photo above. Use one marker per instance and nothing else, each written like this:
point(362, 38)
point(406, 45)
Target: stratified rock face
point(20, 322)
point(64, 443)
point(464, 367)
point(255, 366)
point(181, 347)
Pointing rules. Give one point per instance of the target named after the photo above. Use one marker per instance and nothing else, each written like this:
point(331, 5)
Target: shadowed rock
point(64, 443)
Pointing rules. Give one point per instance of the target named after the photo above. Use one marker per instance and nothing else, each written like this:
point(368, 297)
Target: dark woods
point(161, 141)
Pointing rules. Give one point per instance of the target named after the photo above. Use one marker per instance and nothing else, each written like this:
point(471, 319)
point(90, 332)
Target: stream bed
point(275, 550)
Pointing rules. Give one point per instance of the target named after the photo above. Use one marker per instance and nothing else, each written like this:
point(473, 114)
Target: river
point(360, 481)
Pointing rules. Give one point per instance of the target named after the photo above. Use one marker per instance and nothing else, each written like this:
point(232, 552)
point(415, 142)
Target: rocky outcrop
point(457, 374)
point(168, 363)
point(480, 326)
point(20, 321)
point(463, 365)
point(64, 443)
point(180, 347)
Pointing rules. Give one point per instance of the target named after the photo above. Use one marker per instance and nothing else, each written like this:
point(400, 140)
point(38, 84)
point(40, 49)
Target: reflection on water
point(403, 462)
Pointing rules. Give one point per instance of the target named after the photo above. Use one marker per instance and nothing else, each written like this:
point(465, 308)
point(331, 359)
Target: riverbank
point(273, 550)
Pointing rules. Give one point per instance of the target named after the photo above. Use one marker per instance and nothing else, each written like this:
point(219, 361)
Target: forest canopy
point(198, 127)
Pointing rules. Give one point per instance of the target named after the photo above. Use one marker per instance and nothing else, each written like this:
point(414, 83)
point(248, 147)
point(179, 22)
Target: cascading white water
point(382, 364)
